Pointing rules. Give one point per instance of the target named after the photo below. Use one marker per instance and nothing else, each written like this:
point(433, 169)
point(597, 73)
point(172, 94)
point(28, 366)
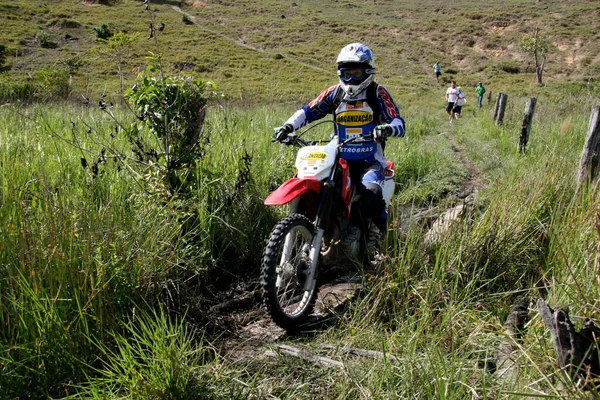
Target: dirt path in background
point(474, 181)
point(240, 42)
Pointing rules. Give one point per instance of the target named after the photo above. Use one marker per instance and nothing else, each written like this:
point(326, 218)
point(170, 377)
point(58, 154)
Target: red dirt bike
point(324, 227)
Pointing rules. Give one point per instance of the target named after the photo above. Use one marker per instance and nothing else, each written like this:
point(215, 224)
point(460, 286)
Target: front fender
point(290, 189)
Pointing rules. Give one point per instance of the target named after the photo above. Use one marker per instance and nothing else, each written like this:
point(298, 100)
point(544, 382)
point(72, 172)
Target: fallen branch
point(305, 355)
point(361, 352)
point(506, 367)
point(242, 302)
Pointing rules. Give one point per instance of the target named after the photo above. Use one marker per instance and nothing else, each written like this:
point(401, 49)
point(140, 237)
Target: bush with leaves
point(104, 31)
point(537, 46)
point(172, 109)
point(117, 46)
point(51, 82)
point(44, 39)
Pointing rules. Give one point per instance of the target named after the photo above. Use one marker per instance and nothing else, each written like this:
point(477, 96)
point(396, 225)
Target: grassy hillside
point(283, 50)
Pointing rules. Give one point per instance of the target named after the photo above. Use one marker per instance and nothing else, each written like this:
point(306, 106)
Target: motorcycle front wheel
point(284, 271)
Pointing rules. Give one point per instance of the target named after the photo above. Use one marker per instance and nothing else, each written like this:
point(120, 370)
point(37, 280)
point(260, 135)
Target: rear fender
point(291, 189)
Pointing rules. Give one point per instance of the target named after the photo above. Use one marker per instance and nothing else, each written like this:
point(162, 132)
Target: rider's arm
point(316, 109)
point(389, 112)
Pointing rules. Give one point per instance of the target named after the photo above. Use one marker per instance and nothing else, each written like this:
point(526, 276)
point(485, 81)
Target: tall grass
point(76, 253)
point(154, 358)
point(102, 271)
point(528, 234)
point(85, 242)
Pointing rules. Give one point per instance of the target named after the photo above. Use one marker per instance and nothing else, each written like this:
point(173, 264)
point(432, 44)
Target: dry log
point(242, 302)
point(305, 355)
point(577, 352)
point(589, 164)
point(513, 329)
point(361, 352)
point(526, 127)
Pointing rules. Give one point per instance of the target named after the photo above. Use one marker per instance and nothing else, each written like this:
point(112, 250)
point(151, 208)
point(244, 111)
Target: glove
point(281, 133)
point(382, 132)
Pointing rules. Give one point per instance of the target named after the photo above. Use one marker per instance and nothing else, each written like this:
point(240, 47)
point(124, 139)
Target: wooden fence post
point(590, 157)
point(489, 97)
point(496, 105)
point(499, 108)
point(576, 351)
point(526, 127)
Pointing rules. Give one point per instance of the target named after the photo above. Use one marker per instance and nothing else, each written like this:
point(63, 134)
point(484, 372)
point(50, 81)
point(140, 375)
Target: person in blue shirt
point(437, 70)
point(361, 107)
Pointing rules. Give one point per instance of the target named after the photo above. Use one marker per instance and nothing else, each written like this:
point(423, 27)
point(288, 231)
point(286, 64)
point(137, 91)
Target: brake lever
point(290, 139)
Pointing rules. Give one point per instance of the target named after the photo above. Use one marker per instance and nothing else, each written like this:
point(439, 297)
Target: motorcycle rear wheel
point(284, 272)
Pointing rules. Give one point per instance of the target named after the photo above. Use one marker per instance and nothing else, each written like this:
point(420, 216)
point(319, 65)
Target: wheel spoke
point(292, 265)
point(285, 270)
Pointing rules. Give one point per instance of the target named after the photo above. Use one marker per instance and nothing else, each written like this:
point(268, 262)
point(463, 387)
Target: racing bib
point(355, 120)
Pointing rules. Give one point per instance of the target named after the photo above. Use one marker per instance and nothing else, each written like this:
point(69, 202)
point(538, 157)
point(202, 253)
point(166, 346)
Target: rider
point(361, 107)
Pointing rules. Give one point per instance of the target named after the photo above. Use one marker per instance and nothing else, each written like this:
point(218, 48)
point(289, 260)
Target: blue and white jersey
point(356, 120)
point(354, 117)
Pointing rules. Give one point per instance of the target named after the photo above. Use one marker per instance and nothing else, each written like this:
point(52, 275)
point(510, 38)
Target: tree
point(118, 46)
point(537, 46)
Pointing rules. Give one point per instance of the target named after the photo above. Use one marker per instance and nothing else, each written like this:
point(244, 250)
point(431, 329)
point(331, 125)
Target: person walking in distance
point(451, 97)
point(480, 91)
point(460, 98)
point(437, 70)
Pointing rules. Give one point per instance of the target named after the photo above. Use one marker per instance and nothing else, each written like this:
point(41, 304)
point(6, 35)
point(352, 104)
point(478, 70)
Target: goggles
point(353, 74)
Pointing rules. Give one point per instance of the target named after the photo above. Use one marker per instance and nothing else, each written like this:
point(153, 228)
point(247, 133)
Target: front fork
point(315, 253)
point(320, 227)
point(313, 256)
point(315, 245)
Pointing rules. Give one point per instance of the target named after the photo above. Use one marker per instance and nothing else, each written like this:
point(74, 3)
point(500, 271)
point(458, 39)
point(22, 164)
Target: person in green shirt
point(480, 91)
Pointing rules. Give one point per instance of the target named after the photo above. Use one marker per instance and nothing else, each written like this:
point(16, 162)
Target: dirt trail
point(246, 328)
point(473, 182)
point(241, 43)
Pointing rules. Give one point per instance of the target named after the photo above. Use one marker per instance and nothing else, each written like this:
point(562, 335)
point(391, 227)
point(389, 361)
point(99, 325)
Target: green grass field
point(108, 274)
point(279, 51)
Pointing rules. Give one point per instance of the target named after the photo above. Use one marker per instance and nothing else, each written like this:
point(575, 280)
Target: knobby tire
point(289, 305)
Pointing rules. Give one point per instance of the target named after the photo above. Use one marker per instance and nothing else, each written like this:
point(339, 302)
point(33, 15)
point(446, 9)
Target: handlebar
point(295, 140)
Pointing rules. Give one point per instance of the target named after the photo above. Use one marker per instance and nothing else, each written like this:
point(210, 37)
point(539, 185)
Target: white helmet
point(356, 68)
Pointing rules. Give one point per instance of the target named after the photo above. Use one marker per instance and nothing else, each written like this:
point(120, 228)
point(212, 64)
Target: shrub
point(511, 67)
point(104, 31)
point(172, 109)
point(44, 39)
point(51, 82)
point(72, 64)
point(15, 90)
point(585, 61)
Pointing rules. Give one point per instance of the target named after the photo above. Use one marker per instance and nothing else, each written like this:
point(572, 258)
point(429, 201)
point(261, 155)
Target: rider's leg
point(374, 202)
